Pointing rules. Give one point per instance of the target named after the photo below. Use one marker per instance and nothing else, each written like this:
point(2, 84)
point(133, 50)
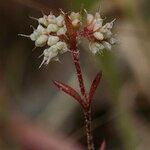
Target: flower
point(99, 35)
point(51, 33)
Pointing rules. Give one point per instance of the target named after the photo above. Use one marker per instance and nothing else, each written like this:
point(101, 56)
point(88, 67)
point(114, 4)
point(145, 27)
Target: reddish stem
point(87, 109)
point(72, 34)
point(75, 55)
point(87, 115)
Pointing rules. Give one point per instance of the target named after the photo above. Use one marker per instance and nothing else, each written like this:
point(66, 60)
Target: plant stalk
point(87, 112)
point(87, 117)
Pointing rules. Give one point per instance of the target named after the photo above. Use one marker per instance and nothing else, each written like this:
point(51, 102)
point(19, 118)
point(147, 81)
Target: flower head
point(99, 35)
point(53, 33)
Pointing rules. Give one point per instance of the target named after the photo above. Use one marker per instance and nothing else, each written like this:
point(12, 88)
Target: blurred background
point(34, 115)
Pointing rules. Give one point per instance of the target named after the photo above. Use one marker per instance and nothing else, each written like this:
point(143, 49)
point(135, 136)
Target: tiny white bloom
point(107, 45)
point(51, 19)
point(41, 40)
point(98, 24)
point(33, 37)
point(43, 20)
point(60, 20)
point(98, 35)
point(74, 16)
point(96, 47)
point(49, 54)
point(41, 30)
point(90, 18)
point(52, 40)
point(52, 28)
point(62, 31)
point(114, 41)
point(75, 22)
point(62, 47)
point(97, 15)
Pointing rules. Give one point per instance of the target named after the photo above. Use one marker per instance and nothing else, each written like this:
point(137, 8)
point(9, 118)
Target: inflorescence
point(52, 33)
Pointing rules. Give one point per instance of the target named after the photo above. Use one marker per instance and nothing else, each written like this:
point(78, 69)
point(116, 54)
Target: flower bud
point(90, 18)
point(62, 31)
point(76, 23)
point(41, 30)
point(41, 40)
point(96, 47)
point(62, 47)
point(52, 40)
point(60, 20)
point(51, 19)
point(107, 45)
point(33, 37)
point(74, 16)
point(98, 35)
point(52, 28)
point(43, 20)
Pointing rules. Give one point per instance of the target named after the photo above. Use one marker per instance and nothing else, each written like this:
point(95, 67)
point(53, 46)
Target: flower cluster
point(52, 34)
point(100, 36)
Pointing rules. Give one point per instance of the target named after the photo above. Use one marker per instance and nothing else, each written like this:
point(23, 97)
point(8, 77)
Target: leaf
point(103, 146)
point(70, 91)
point(94, 86)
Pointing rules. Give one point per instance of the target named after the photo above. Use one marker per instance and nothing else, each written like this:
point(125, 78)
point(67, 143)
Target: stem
point(75, 55)
point(87, 116)
point(87, 112)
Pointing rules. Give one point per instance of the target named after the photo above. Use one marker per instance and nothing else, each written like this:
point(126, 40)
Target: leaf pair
point(72, 92)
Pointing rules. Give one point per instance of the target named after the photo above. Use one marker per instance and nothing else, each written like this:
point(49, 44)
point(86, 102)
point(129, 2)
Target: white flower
point(62, 31)
point(96, 47)
point(75, 18)
point(52, 32)
point(107, 45)
point(53, 51)
point(43, 20)
point(62, 47)
point(49, 54)
point(98, 35)
point(51, 19)
point(41, 40)
point(52, 28)
point(60, 20)
point(52, 40)
point(33, 36)
point(41, 30)
point(90, 18)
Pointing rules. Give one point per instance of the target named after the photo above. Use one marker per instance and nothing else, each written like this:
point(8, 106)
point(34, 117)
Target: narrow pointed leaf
point(94, 86)
point(69, 90)
point(103, 146)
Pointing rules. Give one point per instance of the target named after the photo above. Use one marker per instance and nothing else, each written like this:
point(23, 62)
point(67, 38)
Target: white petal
point(98, 24)
point(107, 45)
point(41, 40)
point(74, 16)
point(40, 29)
point(62, 31)
point(52, 40)
point(113, 41)
point(33, 37)
point(52, 28)
point(62, 47)
point(51, 19)
point(43, 20)
point(60, 20)
point(75, 22)
point(97, 15)
point(96, 47)
point(98, 35)
point(90, 18)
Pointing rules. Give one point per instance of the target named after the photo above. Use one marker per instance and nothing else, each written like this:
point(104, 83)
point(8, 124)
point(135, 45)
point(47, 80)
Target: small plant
point(60, 34)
